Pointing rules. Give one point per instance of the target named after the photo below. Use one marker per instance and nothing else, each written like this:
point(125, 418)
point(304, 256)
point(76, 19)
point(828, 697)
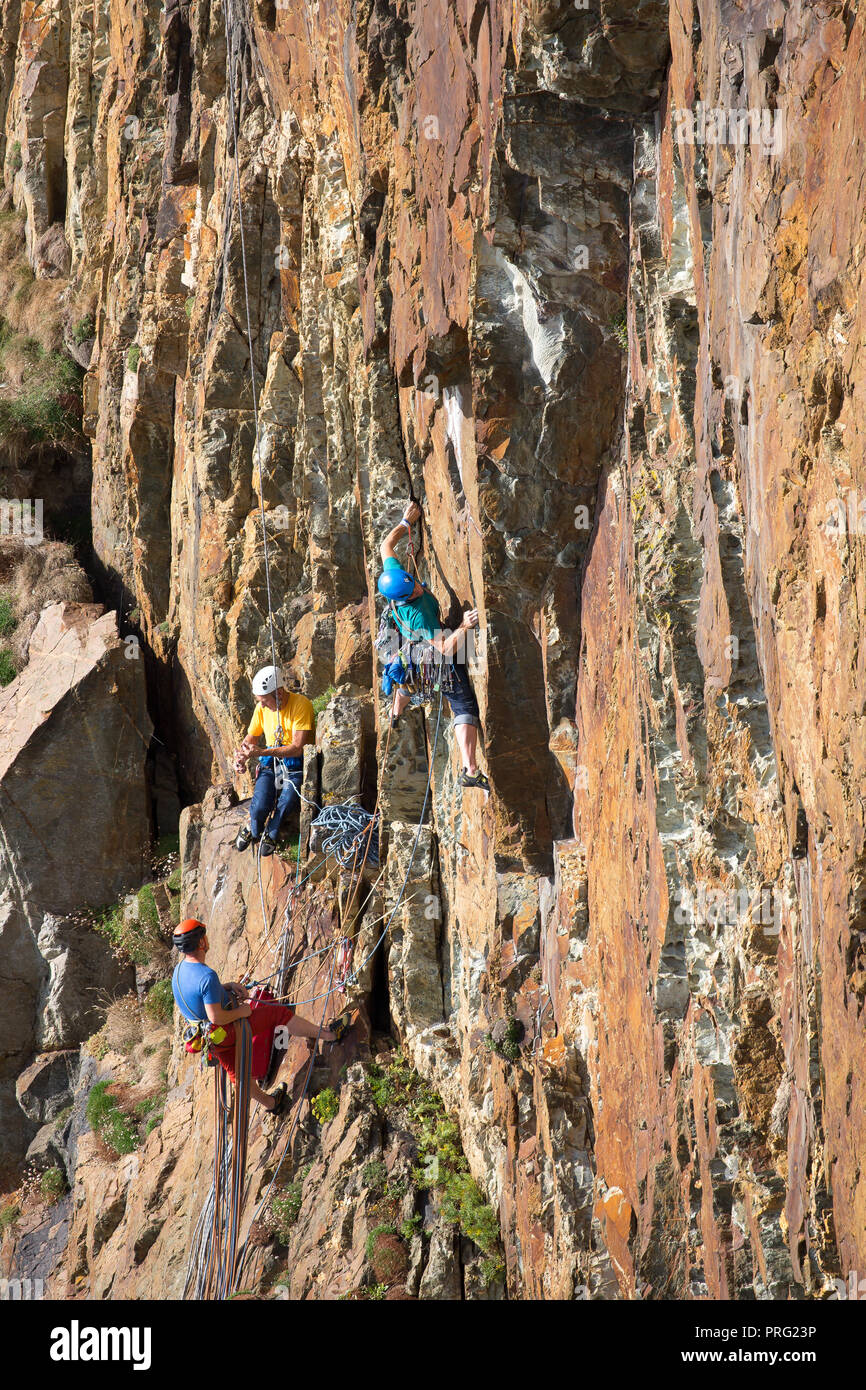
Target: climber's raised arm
point(411, 514)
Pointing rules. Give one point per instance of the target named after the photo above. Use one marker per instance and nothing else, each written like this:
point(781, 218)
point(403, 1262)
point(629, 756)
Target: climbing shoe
point(281, 1100)
point(245, 836)
point(476, 779)
point(340, 1026)
point(267, 846)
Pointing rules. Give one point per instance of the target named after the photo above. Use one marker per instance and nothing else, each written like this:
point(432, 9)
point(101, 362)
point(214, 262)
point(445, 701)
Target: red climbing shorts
point(263, 1020)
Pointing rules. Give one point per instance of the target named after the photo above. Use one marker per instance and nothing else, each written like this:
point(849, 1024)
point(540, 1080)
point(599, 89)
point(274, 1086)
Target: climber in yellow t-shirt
point(286, 722)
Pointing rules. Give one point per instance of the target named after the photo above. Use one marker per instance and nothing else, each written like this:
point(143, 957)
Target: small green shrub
point(106, 1119)
point(464, 1204)
point(619, 327)
point(16, 159)
point(374, 1175)
point(147, 908)
point(46, 408)
point(377, 1291)
point(174, 886)
point(188, 305)
point(371, 1238)
point(290, 851)
point(61, 1118)
point(9, 1215)
point(395, 1084)
point(133, 357)
point(492, 1270)
point(8, 670)
point(387, 1254)
point(153, 1123)
point(441, 1164)
point(52, 1184)
point(285, 1209)
point(97, 1045)
point(132, 927)
point(325, 1105)
point(8, 620)
point(159, 1004)
point(321, 701)
point(84, 329)
point(409, 1227)
point(506, 1044)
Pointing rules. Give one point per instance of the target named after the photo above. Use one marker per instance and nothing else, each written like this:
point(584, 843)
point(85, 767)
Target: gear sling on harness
point(418, 666)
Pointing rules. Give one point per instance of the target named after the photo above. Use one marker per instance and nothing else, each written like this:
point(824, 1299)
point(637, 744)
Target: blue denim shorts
point(464, 705)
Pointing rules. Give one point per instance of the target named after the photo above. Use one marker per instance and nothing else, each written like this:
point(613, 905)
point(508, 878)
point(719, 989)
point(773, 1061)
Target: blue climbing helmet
point(394, 582)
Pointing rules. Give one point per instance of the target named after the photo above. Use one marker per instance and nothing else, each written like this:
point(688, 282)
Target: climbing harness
point(283, 768)
point(199, 1036)
point(282, 776)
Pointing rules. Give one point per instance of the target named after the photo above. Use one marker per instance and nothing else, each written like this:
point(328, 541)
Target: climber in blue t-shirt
point(417, 611)
point(194, 985)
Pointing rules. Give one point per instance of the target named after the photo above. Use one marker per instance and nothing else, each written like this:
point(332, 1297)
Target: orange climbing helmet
point(189, 935)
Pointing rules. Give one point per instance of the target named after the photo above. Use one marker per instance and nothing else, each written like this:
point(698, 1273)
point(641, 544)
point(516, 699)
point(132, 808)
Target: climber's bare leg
point(467, 741)
point(304, 1028)
point(261, 1096)
point(401, 700)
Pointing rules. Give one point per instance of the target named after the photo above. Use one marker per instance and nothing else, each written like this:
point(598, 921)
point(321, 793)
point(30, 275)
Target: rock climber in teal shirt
point(417, 610)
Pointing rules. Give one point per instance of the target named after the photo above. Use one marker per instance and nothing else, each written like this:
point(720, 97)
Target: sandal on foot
point(475, 779)
point(245, 837)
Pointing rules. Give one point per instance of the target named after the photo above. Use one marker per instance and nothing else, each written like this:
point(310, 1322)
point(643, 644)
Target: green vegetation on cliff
point(40, 384)
point(8, 624)
point(442, 1167)
point(105, 1117)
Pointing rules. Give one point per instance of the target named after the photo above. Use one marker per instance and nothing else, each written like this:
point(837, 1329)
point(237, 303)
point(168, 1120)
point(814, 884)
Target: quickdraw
point(345, 953)
point(417, 666)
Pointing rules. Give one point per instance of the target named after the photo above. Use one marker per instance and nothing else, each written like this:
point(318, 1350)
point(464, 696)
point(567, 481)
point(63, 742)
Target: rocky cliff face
point(586, 281)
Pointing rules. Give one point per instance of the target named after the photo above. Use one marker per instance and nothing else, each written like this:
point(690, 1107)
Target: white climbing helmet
point(266, 681)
